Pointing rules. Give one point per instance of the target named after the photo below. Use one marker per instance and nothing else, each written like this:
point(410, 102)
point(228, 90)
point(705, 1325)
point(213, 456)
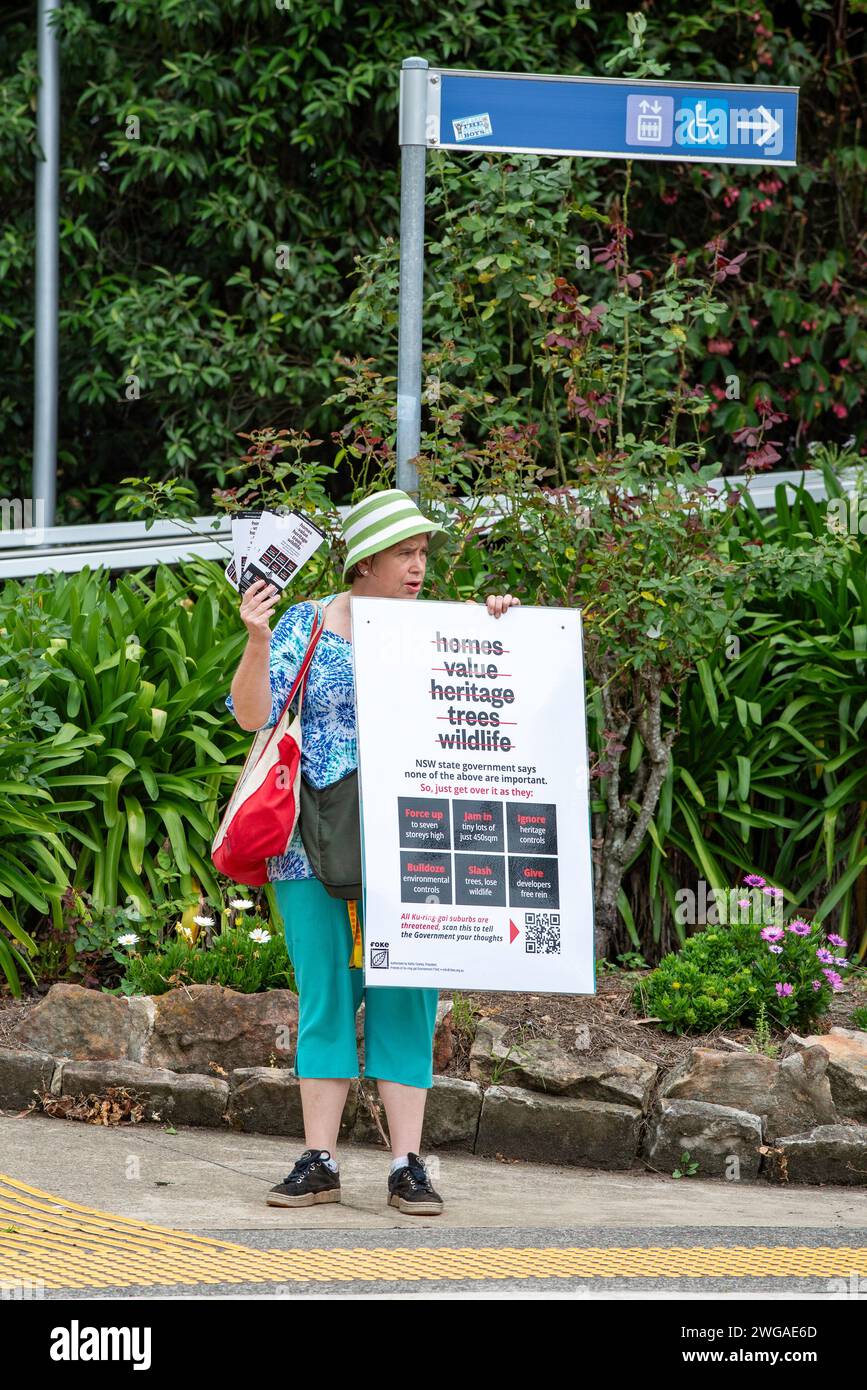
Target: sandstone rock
point(84, 1024)
point(199, 1025)
point(365, 1130)
point(267, 1100)
point(825, 1154)
point(712, 1135)
point(452, 1112)
point(847, 1067)
point(553, 1129)
point(23, 1075)
point(617, 1076)
point(792, 1093)
point(801, 1095)
point(185, 1100)
point(444, 1038)
point(488, 1048)
point(740, 1080)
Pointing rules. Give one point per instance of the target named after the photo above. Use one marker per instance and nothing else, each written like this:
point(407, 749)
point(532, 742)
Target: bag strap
point(315, 634)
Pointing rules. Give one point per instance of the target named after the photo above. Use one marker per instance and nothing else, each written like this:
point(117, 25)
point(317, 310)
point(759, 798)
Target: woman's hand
point(498, 603)
point(257, 605)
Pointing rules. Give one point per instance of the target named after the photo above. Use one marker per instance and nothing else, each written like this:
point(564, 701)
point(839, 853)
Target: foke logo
point(379, 955)
point(77, 1343)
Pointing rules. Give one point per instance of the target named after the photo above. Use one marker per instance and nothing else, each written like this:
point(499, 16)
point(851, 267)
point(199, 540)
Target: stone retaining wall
point(203, 1055)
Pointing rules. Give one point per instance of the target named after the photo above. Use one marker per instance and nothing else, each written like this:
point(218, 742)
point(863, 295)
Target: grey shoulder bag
point(331, 834)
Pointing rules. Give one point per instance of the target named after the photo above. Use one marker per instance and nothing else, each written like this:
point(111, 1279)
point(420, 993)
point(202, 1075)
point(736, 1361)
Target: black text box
point(533, 882)
point(423, 823)
point(425, 877)
point(532, 827)
point(480, 878)
point(478, 825)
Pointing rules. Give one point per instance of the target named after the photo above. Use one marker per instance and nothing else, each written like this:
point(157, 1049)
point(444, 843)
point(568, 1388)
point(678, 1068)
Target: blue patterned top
point(329, 747)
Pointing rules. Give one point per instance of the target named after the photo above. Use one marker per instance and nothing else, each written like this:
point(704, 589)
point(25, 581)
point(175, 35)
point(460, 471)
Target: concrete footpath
point(134, 1211)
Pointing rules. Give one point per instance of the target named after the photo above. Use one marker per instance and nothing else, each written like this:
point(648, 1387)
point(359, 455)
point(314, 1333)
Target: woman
point(388, 539)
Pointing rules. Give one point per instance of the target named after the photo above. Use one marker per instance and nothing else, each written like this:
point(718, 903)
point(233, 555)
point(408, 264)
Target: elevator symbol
point(649, 120)
point(650, 128)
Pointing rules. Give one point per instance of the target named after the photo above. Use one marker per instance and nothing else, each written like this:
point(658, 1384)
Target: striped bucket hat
point(381, 520)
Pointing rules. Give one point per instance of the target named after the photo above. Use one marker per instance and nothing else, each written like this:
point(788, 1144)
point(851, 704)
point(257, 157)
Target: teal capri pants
point(399, 1023)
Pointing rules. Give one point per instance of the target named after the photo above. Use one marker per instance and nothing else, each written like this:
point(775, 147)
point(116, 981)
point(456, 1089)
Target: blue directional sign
point(611, 118)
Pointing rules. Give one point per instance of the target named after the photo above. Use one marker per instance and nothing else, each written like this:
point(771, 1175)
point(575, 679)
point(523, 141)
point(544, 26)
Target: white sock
point(330, 1162)
point(401, 1162)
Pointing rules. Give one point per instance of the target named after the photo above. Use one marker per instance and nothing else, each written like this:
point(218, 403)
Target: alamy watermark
point(25, 514)
point(708, 906)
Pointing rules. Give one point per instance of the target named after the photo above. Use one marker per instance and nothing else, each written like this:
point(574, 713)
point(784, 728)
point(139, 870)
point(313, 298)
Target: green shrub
point(234, 959)
point(722, 976)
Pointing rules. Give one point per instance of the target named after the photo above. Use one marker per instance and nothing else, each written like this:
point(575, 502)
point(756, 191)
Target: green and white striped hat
point(381, 520)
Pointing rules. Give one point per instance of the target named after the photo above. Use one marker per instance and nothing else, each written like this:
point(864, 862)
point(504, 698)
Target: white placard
point(475, 803)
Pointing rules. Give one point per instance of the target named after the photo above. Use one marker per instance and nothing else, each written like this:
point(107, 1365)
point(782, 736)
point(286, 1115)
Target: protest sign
point(474, 791)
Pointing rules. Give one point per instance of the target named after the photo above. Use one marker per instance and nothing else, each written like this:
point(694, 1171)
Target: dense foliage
point(762, 720)
point(224, 163)
point(746, 963)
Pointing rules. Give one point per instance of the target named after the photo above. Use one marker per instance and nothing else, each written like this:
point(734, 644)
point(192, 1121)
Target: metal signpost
point(528, 113)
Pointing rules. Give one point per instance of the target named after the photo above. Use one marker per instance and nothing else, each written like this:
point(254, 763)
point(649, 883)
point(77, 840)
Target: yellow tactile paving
point(47, 1240)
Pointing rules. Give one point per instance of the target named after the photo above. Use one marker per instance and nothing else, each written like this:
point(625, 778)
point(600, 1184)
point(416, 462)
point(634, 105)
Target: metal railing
point(133, 545)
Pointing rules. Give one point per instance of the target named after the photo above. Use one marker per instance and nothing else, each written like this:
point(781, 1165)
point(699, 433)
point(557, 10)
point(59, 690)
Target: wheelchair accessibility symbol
point(703, 122)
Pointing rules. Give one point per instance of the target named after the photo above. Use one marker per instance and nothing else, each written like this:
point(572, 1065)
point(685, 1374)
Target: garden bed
point(611, 1020)
point(606, 1019)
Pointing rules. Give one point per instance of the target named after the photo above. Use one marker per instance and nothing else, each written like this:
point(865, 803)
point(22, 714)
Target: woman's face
point(397, 572)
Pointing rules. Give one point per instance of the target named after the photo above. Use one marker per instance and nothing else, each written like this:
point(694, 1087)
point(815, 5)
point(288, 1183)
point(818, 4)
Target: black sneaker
point(311, 1180)
point(409, 1189)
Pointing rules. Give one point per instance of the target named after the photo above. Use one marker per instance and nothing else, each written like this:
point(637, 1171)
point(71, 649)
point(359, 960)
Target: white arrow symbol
point(644, 104)
point(767, 126)
point(656, 108)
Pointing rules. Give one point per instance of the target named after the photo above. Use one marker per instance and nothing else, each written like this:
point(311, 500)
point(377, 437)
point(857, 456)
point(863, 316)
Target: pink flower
point(754, 880)
point(839, 410)
point(771, 891)
point(824, 954)
point(799, 928)
point(835, 939)
point(834, 980)
point(817, 984)
point(777, 950)
point(783, 989)
point(773, 934)
point(721, 347)
point(743, 902)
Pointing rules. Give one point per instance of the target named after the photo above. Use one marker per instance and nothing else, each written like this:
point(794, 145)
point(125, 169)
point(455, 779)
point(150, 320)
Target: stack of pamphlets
point(271, 546)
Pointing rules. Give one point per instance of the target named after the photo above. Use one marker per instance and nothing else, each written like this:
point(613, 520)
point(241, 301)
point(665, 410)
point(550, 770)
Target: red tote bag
point(262, 813)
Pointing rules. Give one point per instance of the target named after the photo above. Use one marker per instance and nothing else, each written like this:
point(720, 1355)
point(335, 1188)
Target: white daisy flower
point(204, 921)
point(260, 935)
point(128, 939)
point(241, 904)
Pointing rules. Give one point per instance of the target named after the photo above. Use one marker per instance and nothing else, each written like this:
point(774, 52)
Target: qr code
point(542, 933)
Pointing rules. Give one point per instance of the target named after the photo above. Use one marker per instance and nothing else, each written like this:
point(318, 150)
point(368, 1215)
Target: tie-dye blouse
point(329, 746)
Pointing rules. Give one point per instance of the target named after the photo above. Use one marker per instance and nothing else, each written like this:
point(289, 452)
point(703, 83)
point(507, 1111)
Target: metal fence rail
point(133, 545)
